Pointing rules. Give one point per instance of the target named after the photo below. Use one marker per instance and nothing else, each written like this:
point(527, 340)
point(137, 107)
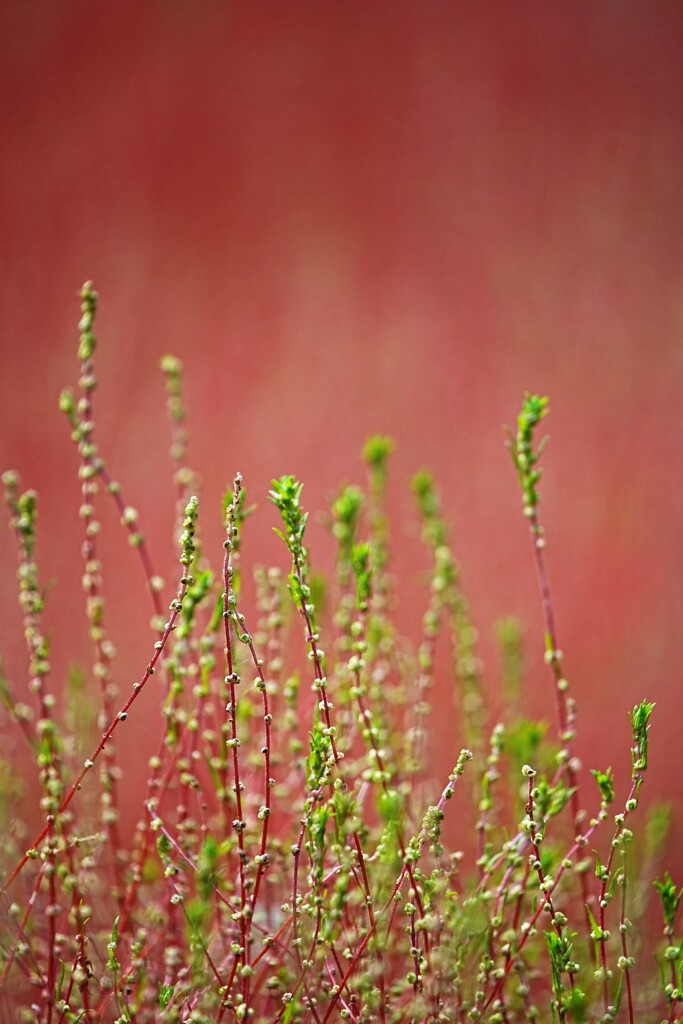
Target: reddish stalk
point(138, 687)
point(421, 839)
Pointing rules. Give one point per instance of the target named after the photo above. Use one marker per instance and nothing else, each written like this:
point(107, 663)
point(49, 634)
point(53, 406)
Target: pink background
point(356, 217)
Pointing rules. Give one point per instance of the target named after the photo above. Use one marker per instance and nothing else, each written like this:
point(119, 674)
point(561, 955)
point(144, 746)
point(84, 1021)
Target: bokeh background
point(356, 217)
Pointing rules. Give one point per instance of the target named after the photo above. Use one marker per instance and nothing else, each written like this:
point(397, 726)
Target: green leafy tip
point(362, 572)
point(187, 537)
point(640, 727)
point(535, 407)
point(426, 497)
point(346, 510)
point(171, 366)
point(524, 455)
point(112, 962)
point(376, 451)
point(286, 496)
point(670, 898)
point(88, 342)
point(605, 785)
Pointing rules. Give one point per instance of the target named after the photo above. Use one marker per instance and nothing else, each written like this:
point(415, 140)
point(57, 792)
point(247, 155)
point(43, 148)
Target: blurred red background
point(359, 217)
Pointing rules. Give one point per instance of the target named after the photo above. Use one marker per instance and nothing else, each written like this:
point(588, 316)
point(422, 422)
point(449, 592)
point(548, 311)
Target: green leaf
point(164, 847)
point(605, 784)
point(112, 962)
point(377, 450)
point(640, 727)
point(360, 561)
point(670, 899)
point(165, 995)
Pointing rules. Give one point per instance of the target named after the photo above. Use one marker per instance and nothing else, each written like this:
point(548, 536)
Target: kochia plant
point(289, 863)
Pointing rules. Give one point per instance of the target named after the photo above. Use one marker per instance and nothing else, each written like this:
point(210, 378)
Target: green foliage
point(670, 898)
point(296, 859)
point(509, 636)
point(605, 785)
point(346, 513)
point(286, 496)
point(524, 455)
point(658, 828)
point(376, 453)
point(87, 345)
point(560, 948)
point(640, 726)
point(360, 560)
